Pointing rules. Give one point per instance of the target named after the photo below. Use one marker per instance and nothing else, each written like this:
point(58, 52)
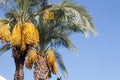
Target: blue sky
point(99, 57)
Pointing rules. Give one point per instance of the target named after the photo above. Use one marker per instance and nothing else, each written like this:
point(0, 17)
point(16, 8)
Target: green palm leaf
point(61, 64)
point(5, 48)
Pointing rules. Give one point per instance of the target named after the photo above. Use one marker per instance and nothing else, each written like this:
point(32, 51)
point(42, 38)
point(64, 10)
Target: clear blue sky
point(99, 57)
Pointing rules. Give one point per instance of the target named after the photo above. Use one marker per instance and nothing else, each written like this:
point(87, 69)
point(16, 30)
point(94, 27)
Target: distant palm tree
point(55, 23)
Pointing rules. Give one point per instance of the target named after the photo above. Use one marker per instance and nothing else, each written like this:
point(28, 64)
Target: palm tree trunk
point(19, 58)
point(41, 69)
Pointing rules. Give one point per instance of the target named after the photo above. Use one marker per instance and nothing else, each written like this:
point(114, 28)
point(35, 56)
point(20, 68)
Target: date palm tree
point(17, 13)
point(55, 24)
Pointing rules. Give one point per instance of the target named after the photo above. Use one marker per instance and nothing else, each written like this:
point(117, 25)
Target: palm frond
point(19, 8)
point(61, 64)
point(5, 20)
point(64, 41)
point(56, 37)
point(77, 16)
point(69, 18)
point(4, 48)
